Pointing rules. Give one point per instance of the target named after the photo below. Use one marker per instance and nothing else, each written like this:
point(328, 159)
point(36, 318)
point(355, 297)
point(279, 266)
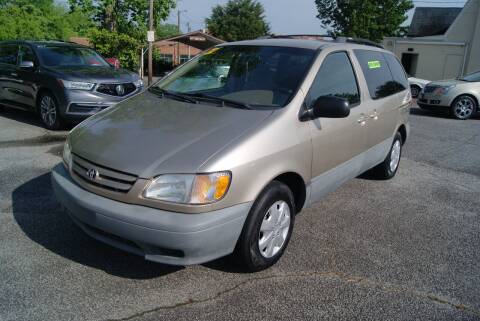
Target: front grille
point(116, 89)
point(104, 177)
point(429, 89)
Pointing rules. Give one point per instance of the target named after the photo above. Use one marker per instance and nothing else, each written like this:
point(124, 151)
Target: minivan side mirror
point(27, 64)
point(327, 107)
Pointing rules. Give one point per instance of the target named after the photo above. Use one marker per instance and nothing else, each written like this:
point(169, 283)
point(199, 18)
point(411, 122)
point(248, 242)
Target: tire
point(463, 107)
point(415, 91)
point(271, 218)
point(388, 168)
point(48, 111)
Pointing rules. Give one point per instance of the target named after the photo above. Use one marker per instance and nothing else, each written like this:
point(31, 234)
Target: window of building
point(184, 58)
point(166, 57)
point(335, 78)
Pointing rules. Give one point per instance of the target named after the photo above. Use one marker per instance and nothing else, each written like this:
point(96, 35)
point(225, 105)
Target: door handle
point(374, 116)
point(362, 120)
point(14, 74)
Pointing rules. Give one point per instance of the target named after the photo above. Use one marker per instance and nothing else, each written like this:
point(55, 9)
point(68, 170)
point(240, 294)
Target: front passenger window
point(335, 78)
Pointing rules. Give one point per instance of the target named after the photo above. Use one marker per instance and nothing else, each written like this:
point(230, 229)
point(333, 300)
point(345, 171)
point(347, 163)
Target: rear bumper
point(160, 236)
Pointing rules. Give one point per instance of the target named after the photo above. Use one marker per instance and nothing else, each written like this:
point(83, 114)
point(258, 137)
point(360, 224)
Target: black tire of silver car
point(415, 90)
point(463, 107)
point(268, 228)
point(388, 168)
point(48, 111)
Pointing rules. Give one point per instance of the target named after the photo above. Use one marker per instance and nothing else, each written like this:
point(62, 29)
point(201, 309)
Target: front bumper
point(160, 236)
point(80, 104)
point(431, 100)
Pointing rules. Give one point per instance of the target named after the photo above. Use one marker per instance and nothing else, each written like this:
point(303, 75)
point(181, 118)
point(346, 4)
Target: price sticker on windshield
point(374, 64)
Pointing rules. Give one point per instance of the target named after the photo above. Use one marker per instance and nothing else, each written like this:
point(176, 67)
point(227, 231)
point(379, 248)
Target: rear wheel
point(388, 168)
point(48, 109)
point(268, 228)
point(463, 107)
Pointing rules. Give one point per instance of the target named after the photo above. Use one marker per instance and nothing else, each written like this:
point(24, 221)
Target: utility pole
point(177, 58)
point(150, 45)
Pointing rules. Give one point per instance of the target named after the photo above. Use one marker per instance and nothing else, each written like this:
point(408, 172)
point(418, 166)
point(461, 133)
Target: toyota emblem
point(120, 89)
point(92, 174)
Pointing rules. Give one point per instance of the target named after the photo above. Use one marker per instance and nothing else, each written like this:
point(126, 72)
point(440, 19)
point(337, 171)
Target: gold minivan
point(219, 156)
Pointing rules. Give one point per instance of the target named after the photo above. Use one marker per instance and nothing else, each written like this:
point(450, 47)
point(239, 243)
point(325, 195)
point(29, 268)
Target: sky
point(284, 16)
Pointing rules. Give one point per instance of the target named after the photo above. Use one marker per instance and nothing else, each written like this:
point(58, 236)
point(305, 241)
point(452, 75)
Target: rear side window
point(335, 78)
point(397, 71)
point(8, 54)
point(383, 74)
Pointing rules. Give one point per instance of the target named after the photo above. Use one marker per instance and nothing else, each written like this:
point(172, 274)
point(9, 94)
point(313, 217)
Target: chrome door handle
point(14, 74)
point(374, 116)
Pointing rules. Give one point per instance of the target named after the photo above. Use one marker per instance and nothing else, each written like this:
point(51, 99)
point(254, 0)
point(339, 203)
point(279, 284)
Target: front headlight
point(67, 155)
point(77, 85)
point(439, 91)
point(189, 188)
point(138, 83)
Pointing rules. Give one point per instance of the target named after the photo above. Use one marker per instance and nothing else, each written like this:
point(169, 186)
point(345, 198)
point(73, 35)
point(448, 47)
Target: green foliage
point(166, 30)
point(124, 16)
point(238, 20)
point(369, 19)
point(43, 21)
point(117, 45)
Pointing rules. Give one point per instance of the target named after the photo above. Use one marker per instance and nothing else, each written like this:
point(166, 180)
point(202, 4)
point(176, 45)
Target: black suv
point(60, 81)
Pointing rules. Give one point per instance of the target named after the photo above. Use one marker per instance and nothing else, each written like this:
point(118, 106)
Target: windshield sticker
point(374, 64)
point(211, 51)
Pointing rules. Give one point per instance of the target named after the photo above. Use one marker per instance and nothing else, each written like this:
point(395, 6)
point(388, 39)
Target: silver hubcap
point(464, 107)
point(395, 155)
point(48, 110)
point(274, 229)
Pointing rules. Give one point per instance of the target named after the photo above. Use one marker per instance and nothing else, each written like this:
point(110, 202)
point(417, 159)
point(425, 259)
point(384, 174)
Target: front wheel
point(388, 168)
point(268, 228)
point(463, 107)
point(48, 109)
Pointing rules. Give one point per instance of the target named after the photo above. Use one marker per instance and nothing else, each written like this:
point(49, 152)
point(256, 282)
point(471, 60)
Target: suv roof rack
point(332, 38)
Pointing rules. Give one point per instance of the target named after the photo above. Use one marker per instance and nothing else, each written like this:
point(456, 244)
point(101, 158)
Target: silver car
point(204, 164)
point(459, 96)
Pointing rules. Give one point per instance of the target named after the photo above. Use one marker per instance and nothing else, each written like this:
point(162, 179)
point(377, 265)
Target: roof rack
point(332, 38)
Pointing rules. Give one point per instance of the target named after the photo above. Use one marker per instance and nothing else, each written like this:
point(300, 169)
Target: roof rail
point(332, 38)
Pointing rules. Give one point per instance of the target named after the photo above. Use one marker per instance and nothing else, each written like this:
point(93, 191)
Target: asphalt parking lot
point(405, 249)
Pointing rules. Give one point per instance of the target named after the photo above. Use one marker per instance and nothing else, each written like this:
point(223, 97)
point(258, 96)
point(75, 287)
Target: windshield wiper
point(223, 101)
point(171, 94)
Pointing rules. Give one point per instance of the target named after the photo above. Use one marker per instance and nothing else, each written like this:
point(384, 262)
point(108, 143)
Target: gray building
point(442, 43)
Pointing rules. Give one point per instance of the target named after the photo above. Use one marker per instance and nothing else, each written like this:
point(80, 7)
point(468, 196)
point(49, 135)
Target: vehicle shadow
point(41, 218)
point(435, 113)
point(26, 117)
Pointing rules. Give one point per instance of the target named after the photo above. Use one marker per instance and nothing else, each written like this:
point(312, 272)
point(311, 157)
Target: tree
point(124, 16)
point(369, 19)
point(114, 44)
point(166, 30)
point(238, 20)
point(45, 20)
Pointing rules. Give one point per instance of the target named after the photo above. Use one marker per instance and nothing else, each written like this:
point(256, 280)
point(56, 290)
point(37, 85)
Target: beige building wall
point(448, 56)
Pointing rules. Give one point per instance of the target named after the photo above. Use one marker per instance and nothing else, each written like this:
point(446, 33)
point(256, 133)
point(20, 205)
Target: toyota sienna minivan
point(219, 156)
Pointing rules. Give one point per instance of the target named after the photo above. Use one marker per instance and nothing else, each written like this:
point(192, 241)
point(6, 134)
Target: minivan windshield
point(58, 56)
point(262, 76)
